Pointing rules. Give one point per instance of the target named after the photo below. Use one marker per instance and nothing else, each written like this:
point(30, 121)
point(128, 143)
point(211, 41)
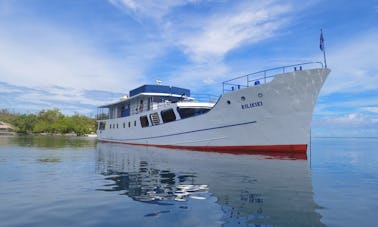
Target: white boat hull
point(271, 117)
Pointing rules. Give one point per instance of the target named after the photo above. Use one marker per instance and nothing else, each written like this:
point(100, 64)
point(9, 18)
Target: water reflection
point(48, 141)
point(48, 160)
point(248, 189)
point(146, 183)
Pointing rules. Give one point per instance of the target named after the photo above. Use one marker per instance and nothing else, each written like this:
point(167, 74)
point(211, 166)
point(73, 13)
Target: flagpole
point(322, 47)
point(324, 56)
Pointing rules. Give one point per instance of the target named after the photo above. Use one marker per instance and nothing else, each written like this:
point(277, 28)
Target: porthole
point(242, 98)
point(260, 95)
point(228, 102)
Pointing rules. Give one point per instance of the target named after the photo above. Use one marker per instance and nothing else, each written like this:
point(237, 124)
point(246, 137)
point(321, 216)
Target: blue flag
point(321, 41)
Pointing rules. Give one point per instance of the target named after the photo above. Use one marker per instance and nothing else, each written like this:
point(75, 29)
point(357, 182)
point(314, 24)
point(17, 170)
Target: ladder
point(155, 118)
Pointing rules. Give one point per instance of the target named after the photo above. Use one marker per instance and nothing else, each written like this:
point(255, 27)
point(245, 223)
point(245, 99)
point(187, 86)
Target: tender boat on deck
point(264, 112)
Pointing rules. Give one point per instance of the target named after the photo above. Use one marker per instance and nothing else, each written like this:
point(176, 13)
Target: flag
point(321, 41)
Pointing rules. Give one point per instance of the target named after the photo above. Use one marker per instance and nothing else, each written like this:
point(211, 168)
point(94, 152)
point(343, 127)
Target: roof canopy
point(160, 89)
point(152, 90)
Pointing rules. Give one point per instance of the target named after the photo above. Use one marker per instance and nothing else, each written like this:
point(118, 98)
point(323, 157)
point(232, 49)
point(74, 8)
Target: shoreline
point(47, 134)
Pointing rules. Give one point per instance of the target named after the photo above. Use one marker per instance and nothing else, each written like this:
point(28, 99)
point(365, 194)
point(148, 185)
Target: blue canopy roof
point(160, 89)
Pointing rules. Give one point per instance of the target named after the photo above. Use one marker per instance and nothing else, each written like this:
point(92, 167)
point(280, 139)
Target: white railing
point(264, 76)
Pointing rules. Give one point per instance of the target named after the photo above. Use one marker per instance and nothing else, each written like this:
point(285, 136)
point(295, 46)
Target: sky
point(78, 54)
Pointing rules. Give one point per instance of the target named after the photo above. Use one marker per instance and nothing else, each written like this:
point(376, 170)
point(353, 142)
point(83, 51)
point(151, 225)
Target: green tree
point(47, 121)
point(7, 116)
point(82, 124)
point(25, 123)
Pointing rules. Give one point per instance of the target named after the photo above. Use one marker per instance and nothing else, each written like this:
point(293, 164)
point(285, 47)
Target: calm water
point(58, 181)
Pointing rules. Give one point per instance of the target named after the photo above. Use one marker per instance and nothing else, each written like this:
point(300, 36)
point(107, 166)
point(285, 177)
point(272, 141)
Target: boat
point(269, 111)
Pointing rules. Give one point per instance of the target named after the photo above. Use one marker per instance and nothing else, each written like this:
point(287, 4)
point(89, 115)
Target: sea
point(77, 181)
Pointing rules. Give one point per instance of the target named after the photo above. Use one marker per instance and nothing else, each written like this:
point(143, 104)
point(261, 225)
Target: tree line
point(49, 121)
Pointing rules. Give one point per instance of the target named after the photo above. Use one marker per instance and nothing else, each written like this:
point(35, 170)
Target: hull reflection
point(247, 188)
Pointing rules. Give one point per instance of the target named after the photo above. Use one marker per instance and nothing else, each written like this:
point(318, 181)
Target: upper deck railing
point(205, 98)
point(264, 76)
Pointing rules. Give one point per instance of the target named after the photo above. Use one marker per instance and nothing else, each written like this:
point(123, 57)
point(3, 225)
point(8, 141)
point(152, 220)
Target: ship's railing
point(205, 98)
point(264, 76)
point(102, 114)
point(193, 98)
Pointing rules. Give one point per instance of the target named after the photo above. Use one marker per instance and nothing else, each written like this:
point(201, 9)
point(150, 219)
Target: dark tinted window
point(144, 121)
point(190, 112)
point(168, 115)
point(101, 126)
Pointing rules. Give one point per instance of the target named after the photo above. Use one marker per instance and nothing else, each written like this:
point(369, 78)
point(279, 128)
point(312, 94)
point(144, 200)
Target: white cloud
point(148, 9)
point(371, 109)
point(218, 34)
point(352, 124)
point(69, 100)
point(344, 101)
point(206, 38)
point(208, 74)
point(353, 119)
point(58, 58)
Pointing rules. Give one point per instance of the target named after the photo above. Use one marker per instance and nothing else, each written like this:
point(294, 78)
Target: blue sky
point(75, 55)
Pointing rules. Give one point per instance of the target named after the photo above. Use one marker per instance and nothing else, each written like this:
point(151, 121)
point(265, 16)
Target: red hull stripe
point(295, 151)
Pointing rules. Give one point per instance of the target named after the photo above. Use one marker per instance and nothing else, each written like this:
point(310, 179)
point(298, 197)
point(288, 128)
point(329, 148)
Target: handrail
point(205, 98)
point(265, 77)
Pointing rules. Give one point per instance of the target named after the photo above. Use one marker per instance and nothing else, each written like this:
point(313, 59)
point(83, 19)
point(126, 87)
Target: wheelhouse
point(150, 105)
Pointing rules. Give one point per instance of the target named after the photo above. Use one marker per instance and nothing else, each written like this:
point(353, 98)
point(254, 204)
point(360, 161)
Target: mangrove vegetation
point(49, 121)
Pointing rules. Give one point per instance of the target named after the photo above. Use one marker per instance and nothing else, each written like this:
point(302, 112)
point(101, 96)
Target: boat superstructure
point(268, 111)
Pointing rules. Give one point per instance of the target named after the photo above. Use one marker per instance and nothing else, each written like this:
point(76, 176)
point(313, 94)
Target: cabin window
point(124, 124)
point(101, 126)
point(168, 115)
point(144, 121)
point(134, 123)
point(117, 125)
point(110, 126)
point(191, 112)
point(129, 124)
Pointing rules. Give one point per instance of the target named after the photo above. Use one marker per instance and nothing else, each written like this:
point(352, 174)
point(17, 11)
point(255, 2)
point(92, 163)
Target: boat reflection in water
point(247, 189)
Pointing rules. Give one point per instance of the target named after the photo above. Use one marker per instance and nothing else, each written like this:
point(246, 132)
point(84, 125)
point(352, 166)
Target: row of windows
point(166, 116)
point(169, 115)
point(115, 125)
